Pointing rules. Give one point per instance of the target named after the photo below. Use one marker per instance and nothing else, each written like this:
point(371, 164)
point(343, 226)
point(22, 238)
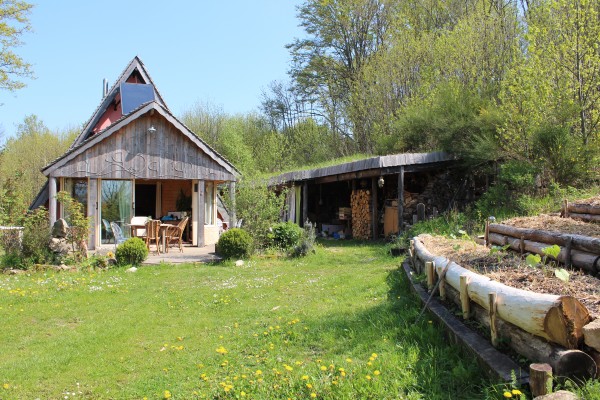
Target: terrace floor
point(190, 254)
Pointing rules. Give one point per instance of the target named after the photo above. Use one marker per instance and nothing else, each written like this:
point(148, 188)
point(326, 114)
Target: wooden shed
point(374, 197)
point(135, 158)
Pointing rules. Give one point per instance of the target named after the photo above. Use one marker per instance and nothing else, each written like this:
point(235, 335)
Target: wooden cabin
point(135, 158)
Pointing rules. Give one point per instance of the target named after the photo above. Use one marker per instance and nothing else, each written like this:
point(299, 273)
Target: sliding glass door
point(116, 206)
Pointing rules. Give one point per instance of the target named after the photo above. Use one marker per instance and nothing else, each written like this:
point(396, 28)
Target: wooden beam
point(374, 216)
point(52, 200)
point(304, 203)
point(232, 215)
point(400, 200)
point(200, 214)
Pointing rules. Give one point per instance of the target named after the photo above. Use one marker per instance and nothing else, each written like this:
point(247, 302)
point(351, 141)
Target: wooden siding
point(132, 152)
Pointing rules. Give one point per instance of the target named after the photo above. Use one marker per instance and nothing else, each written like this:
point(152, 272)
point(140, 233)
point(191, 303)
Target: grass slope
point(338, 324)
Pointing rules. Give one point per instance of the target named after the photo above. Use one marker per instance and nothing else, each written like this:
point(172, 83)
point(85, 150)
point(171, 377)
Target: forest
point(508, 86)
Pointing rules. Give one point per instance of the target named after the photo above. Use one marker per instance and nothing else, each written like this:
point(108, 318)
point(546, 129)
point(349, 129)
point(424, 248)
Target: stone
point(112, 262)
point(591, 334)
point(60, 228)
point(239, 263)
point(15, 272)
point(560, 395)
point(59, 246)
point(132, 269)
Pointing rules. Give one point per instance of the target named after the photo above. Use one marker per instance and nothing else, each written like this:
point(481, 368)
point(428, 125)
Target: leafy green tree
point(14, 22)
point(23, 156)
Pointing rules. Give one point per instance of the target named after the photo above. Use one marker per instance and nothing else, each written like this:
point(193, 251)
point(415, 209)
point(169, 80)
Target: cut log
point(579, 242)
point(585, 217)
point(559, 319)
point(583, 209)
point(573, 364)
point(591, 334)
point(540, 379)
point(579, 259)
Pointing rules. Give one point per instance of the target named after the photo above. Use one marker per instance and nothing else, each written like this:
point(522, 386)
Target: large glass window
point(209, 203)
point(116, 204)
point(78, 189)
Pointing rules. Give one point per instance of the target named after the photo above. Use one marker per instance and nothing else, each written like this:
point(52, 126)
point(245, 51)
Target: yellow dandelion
point(516, 392)
point(304, 377)
point(323, 368)
point(374, 355)
point(243, 394)
point(6, 386)
point(308, 385)
point(368, 377)
point(288, 368)
point(258, 372)
point(369, 363)
point(508, 395)
point(221, 350)
point(166, 394)
point(348, 360)
point(313, 395)
point(376, 373)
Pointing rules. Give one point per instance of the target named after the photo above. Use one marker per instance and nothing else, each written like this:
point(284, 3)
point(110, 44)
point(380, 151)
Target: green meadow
point(338, 324)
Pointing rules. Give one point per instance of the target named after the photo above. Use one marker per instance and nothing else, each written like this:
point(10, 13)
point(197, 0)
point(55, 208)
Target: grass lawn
point(338, 324)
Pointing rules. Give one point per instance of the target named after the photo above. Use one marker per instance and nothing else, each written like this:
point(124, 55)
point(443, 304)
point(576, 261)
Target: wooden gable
point(130, 150)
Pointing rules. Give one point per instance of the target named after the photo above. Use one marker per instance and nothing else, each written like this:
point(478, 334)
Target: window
point(78, 189)
point(209, 203)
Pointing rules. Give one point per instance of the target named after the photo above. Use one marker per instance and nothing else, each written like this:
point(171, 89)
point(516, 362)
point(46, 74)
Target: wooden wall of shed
point(132, 152)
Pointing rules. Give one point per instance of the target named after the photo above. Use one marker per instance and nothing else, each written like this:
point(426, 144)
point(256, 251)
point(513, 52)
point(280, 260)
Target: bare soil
point(509, 268)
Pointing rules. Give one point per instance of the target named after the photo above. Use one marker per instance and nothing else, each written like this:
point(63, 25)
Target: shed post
point(374, 216)
point(304, 203)
point(400, 200)
point(92, 213)
point(52, 200)
point(232, 215)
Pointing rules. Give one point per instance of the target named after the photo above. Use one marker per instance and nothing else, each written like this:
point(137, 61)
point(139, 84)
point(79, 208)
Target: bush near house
point(286, 235)
point(234, 243)
point(132, 252)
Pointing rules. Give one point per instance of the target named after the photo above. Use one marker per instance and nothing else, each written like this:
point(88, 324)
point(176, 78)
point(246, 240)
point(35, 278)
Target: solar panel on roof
point(134, 95)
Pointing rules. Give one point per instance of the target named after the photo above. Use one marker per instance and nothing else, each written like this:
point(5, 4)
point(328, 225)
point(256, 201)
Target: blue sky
point(223, 52)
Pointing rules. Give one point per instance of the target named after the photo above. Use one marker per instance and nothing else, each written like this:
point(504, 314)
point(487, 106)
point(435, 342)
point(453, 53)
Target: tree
point(14, 22)
point(34, 147)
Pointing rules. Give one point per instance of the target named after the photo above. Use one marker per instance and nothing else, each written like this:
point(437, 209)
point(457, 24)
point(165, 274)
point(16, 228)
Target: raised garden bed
point(528, 309)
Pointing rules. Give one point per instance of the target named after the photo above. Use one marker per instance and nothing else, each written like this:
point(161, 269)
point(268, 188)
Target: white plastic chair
point(118, 234)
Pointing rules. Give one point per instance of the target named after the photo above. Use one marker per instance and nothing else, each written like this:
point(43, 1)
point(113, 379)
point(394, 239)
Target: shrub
point(235, 243)
point(36, 237)
point(133, 251)
point(307, 241)
point(287, 235)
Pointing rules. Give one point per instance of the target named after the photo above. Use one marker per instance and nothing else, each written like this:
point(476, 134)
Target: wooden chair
point(153, 234)
point(173, 234)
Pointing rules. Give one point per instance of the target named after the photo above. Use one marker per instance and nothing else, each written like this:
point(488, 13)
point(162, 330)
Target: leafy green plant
point(36, 236)
point(79, 224)
point(533, 260)
point(132, 252)
point(307, 241)
point(286, 235)
point(235, 243)
point(562, 274)
point(499, 251)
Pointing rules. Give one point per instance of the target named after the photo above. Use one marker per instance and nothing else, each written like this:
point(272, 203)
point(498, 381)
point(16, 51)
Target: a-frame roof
point(135, 65)
point(125, 120)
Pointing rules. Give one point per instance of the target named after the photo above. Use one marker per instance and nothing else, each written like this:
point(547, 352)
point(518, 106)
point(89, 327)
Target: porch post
point(200, 214)
point(52, 200)
point(400, 200)
point(92, 213)
point(232, 215)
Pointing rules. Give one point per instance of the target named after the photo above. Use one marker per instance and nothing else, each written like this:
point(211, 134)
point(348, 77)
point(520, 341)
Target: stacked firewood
point(360, 202)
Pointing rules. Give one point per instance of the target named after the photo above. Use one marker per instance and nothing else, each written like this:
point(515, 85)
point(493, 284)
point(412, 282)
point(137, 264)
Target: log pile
point(542, 327)
point(576, 250)
point(360, 202)
point(583, 212)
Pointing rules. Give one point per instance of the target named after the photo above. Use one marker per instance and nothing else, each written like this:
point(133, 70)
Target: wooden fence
point(584, 212)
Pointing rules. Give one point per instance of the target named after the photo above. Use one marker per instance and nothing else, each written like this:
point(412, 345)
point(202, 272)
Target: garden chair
point(107, 228)
point(117, 234)
point(173, 234)
point(136, 226)
point(153, 234)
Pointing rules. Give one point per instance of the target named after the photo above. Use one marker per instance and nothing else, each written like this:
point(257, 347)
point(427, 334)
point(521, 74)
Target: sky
point(221, 52)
